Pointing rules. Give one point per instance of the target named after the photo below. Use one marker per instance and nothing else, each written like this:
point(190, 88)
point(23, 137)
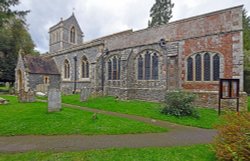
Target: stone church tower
point(65, 34)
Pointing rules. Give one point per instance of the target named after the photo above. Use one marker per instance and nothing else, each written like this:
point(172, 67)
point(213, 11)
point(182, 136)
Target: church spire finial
point(73, 10)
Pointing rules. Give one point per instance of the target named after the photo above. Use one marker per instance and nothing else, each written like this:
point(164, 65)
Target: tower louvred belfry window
point(72, 35)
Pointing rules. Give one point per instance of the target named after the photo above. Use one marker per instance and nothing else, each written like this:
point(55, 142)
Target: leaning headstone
point(28, 96)
point(3, 101)
point(54, 100)
point(85, 93)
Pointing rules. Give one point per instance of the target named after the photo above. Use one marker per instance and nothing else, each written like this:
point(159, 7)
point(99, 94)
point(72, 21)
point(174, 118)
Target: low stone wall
point(136, 93)
point(210, 99)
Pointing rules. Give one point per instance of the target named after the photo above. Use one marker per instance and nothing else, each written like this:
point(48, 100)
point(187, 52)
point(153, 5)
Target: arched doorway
point(19, 80)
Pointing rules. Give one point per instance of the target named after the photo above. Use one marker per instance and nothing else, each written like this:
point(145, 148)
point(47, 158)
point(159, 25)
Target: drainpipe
point(75, 59)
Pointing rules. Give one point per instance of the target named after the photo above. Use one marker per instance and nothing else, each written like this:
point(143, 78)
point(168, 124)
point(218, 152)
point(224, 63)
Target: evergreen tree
point(246, 39)
point(161, 12)
point(13, 37)
point(246, 30)
point(6, 13)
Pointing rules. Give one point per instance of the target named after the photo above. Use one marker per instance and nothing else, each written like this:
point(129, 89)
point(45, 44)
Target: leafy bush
point(233, 140)
point(179, 103)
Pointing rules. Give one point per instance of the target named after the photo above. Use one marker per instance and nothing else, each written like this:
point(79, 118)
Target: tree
point(161, 12)
point(6, 13)
point(246, 39)
point(13, 37)
point(246, 30)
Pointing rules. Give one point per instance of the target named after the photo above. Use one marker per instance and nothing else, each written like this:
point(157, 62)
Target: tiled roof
point(40, 65)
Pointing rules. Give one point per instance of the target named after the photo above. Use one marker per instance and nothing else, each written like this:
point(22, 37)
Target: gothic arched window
point(203, 67)
point(72, 35)
point(85, 68)
point(155, 63)
point(198, 67)
point(216, 67)
point(109, 70)
point(190, 69)
point(119, 69)
point(66, 69)
point(140, 68)
point(148, 65)
point(114, 68)
point(207, 67)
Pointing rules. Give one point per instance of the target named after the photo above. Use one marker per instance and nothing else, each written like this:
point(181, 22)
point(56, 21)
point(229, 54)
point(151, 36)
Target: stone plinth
point(54, 100)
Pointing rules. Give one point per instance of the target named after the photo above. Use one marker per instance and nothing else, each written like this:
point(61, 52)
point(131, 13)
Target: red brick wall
point(221, 44)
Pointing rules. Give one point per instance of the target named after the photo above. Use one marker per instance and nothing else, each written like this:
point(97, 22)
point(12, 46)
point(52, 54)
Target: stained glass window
point(109, 70)
point(66, 69)
point(119, 68)
point(147, 65)
point(207, 66)
point(140, 68)
point(155, 63)
point(114, 68)
point(198, 67)
point(83, 69)
point(190, 69)
point(216, 67)
point(87, 69)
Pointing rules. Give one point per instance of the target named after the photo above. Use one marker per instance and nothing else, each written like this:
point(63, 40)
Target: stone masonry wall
point(218, 32)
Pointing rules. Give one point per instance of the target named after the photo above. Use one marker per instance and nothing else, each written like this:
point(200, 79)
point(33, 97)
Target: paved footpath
point(177, 136)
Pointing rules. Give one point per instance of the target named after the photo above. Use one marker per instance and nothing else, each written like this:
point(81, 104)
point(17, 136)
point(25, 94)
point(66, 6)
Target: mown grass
point(33, 119)
point(208, 117)
point(189, 153)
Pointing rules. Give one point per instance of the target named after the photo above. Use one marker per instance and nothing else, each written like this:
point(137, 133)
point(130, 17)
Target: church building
point(190, 54)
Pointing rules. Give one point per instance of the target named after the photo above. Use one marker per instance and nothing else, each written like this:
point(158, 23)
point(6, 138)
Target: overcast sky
point(101, 17)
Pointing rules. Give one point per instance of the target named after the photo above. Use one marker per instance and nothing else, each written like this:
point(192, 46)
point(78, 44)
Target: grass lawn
point(208, 118)
point(189, 153)
point(33, 119)
point(4, 88)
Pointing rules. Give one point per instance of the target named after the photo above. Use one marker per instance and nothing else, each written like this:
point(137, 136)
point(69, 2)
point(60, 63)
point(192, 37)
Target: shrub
point(179, 103)
point(233, 140)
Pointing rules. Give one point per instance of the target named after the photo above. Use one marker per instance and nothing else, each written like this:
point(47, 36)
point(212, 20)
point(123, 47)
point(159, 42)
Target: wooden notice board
point(229, 89)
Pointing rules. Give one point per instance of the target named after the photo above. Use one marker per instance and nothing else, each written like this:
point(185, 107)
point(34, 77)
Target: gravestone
point(3, 101)
point(85, 93)
point(54, 100)
point(28, 96)
point(7, 85)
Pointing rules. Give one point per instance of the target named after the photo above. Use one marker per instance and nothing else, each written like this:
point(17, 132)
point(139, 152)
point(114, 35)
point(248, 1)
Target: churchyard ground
point(208, 117)
point(33, 119)
point(187, 153)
